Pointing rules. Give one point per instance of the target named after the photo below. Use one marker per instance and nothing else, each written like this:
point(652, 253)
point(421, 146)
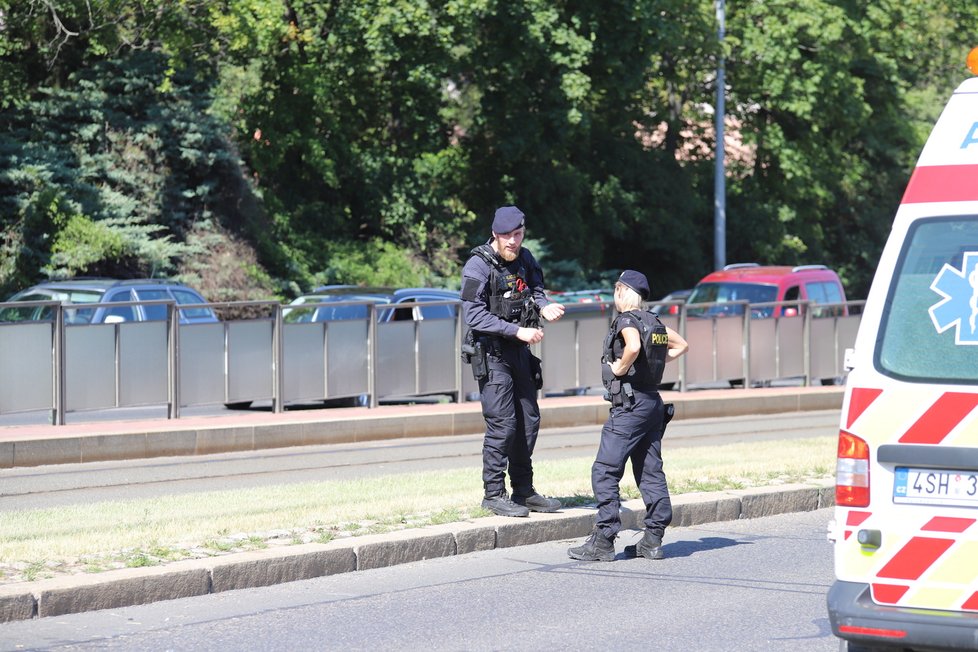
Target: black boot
point(535, 502)
point(598, 547)
point(501, 505)
point(650, 547)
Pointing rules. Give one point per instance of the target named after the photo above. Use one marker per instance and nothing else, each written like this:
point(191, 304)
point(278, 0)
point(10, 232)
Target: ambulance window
point(929, 325)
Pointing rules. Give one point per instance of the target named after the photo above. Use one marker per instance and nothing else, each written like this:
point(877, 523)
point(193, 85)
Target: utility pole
point(719, 178)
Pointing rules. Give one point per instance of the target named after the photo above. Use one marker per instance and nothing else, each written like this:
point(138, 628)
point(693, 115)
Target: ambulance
point(905, 528)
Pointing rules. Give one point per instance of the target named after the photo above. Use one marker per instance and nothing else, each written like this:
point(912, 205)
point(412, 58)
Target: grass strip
point(38, 543)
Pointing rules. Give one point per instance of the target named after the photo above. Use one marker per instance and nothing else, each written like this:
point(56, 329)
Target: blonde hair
point(630, 299)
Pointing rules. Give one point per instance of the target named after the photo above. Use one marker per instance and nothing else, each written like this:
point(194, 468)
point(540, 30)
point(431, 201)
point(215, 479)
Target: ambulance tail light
point(873, 631)
point(852, 472)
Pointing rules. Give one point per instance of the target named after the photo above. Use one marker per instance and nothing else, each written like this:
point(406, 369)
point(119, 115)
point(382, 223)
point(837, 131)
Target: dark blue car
point(91, 301)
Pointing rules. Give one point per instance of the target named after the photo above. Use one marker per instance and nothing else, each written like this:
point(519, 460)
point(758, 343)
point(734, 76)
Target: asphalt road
point(740, 585)
point(65, 484)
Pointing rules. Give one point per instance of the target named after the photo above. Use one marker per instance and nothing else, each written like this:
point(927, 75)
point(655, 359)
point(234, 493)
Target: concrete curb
point(130, 587)
point(24, 447)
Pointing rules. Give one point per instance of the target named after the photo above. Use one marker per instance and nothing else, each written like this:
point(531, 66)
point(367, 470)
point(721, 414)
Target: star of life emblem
point(959, 305)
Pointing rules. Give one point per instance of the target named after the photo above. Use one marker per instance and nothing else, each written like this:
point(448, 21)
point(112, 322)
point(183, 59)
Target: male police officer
point(502, 299)
point(636, 350)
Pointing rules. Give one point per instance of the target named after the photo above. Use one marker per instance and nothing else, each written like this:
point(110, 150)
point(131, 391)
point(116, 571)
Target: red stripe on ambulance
point(947, 524)
point(888, 593)
point(859, 399)
point(855, 518)
point(971, 604)
point(915, 558)
point(936, 183)
point(942, 417)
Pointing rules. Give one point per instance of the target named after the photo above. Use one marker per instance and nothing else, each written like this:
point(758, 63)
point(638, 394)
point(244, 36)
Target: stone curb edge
point(136, 586)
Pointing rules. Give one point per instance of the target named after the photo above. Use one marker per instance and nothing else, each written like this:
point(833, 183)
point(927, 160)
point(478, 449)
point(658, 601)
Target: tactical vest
point(646, 371)
point(509, 303)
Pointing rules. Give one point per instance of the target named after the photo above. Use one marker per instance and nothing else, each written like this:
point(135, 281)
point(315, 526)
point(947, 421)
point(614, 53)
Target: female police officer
point(636, 350)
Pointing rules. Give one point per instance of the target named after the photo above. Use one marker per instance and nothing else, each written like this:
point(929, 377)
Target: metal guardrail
point(71, 367)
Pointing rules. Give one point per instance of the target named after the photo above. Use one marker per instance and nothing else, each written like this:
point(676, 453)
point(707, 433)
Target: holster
point(536, 370)
point(474, 353)
point(607, 378)
point(668, 412)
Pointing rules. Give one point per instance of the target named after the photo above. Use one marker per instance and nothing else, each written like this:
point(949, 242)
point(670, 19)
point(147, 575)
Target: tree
point(825, 91)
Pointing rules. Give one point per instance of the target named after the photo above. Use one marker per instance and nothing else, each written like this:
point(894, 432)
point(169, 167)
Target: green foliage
point(262, 147)
point(81, 243)
point(112, 247)
point(829, 94)
point(108, 176)
point(373, 262)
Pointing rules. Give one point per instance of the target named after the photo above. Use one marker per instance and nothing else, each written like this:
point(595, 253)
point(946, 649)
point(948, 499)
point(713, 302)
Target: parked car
point(382, 296)
point(101, 293)
point(329, 294)
point(663, 307)
point(758, 284)
point(584, 301)
point(420, 312)
point(389, 302)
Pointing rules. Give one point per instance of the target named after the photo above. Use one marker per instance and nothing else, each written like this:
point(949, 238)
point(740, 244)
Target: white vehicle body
point(905, 528)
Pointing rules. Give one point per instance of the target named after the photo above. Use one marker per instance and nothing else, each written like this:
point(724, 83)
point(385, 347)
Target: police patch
point(470, 289)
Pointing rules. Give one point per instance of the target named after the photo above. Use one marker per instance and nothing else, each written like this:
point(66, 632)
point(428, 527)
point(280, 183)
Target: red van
point(767, 285)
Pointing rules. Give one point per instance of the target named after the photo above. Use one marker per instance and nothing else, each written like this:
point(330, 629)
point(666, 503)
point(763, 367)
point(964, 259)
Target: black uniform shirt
point(475, 291)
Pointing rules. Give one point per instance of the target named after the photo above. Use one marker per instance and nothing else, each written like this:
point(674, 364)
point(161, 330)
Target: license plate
point(932, 487)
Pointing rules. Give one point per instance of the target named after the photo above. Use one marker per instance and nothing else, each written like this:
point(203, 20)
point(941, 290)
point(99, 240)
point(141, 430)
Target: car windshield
point(404, 313)
point(79, 315)
point(28, 313)
point(304, 309)
point(929, 326)
point(70, 295)
point(726, 293)
point(723, 292)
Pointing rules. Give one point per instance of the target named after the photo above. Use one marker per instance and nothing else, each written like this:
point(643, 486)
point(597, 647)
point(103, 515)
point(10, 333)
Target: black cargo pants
point(509, 406)
point(632, 432)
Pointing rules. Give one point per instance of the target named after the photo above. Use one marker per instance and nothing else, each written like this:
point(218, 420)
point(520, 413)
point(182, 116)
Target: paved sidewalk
point(36, 445)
